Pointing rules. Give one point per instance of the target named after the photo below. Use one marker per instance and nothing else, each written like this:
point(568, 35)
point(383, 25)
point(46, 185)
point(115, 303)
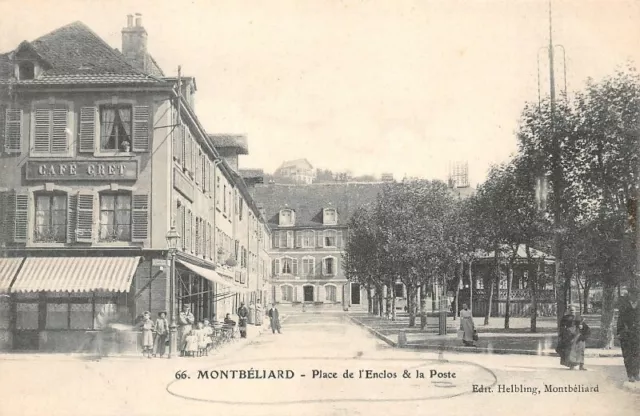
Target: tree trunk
point(423, 306)
point(471, 286)
point(489, 302)
point(393, 302)
point(369, 298)
point(411, 305)
point(585, 295)
point(460, 272)
point(507, 312)
point(606, 320)
point(374, 301)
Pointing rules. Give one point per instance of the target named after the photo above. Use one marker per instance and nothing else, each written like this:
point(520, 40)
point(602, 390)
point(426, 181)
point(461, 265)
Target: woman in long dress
point(147, 334)
point(566, 336)
point(467, 326)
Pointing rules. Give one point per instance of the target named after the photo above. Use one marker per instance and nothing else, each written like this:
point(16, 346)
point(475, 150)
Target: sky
point(374, 86)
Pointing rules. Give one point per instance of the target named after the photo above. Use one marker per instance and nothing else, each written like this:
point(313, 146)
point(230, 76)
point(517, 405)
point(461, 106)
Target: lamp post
point(172, 243)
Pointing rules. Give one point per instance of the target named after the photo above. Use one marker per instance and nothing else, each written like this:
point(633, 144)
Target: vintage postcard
point(319, 207)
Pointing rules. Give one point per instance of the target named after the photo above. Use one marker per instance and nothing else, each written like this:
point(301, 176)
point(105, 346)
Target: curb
point(476, 350)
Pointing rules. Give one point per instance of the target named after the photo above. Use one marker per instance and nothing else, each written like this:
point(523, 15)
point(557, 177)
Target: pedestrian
point(628, 330)
point(467, 326)
point(243, 315)
point(185, 325)
point(575, 356)
point(162, 331)
point(148, 327)
point(274, 316)
point(201, 333)
point(566, 336)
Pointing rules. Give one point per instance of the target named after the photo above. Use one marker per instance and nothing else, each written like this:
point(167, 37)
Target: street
point(317, 349)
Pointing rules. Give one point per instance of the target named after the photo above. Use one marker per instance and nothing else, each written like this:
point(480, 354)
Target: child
point(202, 339)
point(191, 344)
point(148, 327)
point(208, 333)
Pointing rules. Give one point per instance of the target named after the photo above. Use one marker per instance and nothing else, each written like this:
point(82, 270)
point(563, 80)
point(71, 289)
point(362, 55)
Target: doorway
point(308, 293)
point(355, 293)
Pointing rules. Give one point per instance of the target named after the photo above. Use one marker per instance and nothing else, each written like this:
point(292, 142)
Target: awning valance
point(76, 274)
point(213, 276)
point(8, 268)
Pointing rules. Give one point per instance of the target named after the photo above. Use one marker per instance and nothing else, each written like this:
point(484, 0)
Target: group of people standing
point(572, 338)
point(154, 334)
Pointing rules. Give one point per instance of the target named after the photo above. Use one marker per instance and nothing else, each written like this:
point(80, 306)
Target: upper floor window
point(224, 200)
point(305, 239)
point(115, 127)
point(115, 217)
point(330, 238)
point(287, 217)
point(308, 266)
point(51, 129)
point(240, 207)
point(26, 70)
point(51, 218)
point(329, 266)
point(329, 216)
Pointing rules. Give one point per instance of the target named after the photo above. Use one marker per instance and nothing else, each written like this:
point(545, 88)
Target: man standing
point(274, 315)
point(566, 336)
point(629, 333)
point(243, 314)
point(185, 325)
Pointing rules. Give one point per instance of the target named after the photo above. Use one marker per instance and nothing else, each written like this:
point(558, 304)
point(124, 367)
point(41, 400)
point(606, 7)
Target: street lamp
point(172, 243)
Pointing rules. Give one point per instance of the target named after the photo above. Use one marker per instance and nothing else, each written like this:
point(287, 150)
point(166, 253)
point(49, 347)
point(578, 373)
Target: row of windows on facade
point(308, 239)
point(287, 294)
point(287, 217)
point(105, 128)
point(306, 266)
point(61, 217)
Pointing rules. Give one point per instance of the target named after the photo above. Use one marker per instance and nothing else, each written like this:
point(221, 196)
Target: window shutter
point(13, 131)
point(294, 267)
point(87, 135)
point(320, 238)
point(210, 241)
point(339, 239)
point(276, 239)
point(59, 140)
point(198, 167)
point(3, 115)
point(299, 238)
point(187, 149)
point(141, 128)
point(289, 239)
point(84, 214)
point(4, 214)
point(322, 267)
point(178, 143)
point(139, 217)
point(41, 130)
point(312, 267)
point(276, 267)
point(17, 218)
point(194, 234)
point(187, 231)
point(72, 217)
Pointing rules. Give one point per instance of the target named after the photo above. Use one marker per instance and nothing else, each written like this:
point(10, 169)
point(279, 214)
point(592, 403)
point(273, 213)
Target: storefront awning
point(76, 274)
point(213, 276)
point(8, 268)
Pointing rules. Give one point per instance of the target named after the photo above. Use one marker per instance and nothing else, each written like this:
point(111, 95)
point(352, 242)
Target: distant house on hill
point(299, 171)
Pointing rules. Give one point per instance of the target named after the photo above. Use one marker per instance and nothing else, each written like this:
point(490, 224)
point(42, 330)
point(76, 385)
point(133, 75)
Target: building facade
point(101, 155)
point(299, 171)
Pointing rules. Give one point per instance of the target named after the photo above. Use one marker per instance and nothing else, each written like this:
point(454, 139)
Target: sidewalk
point(493, 338)
point(253, 332)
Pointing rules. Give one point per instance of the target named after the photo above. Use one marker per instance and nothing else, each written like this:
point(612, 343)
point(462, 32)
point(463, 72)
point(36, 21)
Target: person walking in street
point(566, 336)
point(576, 349)
point(147, 326)
point(467, 326)
point(162, 330)
point(185, 325)
point(274, 316)
point(243, 315)
point(628, 330)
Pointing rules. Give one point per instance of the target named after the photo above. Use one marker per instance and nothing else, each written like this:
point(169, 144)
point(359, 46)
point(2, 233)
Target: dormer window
point(329, 216)
point(26, 70)
point(287, 217)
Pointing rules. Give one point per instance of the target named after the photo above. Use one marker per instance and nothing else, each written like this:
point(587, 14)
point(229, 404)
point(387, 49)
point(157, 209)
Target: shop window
point(115, 217)
point(115, 127)
point(81, 316)
point(27, 316)
point(51, 218)
point(5, 308)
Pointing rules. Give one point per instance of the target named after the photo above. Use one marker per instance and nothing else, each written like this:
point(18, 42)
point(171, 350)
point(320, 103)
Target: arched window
point(330, 293)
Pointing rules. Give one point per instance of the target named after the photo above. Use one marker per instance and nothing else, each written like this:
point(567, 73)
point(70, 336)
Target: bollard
point(402, 339)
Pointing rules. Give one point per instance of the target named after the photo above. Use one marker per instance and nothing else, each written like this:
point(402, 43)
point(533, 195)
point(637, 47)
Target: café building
point(101, 154)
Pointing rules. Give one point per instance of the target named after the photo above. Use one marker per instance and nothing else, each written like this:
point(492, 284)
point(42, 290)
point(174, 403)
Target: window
point(308, 266)
point(26, 70)
point(329, 266)
point(51, 218)
point(287, 293)
point(115, 127)
point(115, 217)
point(330, 293)
point(224, 200)
point(329, 216)
point(330, 238)
point(286, 265)
point(218, 197)
point(282, 241)
point(240, 207)
point(308, 239)
point(286, 217)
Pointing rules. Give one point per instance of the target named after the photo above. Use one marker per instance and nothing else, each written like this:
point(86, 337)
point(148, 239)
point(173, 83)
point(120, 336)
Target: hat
point(162, 312)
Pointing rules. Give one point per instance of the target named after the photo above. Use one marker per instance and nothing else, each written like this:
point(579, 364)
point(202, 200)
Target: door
point(308, 293)
point(355, 293)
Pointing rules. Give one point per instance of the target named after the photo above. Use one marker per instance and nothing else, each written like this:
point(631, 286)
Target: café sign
point(82, 170)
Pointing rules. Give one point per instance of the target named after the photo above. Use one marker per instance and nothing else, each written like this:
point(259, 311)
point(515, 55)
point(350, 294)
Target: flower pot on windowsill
point(126, 147)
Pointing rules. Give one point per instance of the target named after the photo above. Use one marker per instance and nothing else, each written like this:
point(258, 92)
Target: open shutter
point(141, 128)
point(87, 135)
point(4, 214)
point(289, 239)
point(19, 216)
point(276, 239)
point(178, 143)
point(187, 231)
point(276, 267)
point(322, 268)
point(294, 267)
point(299, 238)
point(194, 233)
point(3, 119)
point(339, 239)
point(41, 130)
point(209, 240)
point(139, 217)
point(320, 238)
point(72, 217)
point(59, 136)
point(84, 214)
point(13, 130)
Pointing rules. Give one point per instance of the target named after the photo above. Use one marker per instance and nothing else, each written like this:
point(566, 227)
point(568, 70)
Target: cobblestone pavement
point(314, 347)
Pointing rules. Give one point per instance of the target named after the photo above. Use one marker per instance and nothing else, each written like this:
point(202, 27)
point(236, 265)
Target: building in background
point(298, 171)
point(100, 157)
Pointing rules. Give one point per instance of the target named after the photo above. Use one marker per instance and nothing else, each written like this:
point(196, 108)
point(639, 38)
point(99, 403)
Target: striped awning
point(8, 268)
point(76, 274)
point(213, 276)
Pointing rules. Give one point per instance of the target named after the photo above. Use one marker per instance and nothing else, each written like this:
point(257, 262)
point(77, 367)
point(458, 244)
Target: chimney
point(134, 43)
